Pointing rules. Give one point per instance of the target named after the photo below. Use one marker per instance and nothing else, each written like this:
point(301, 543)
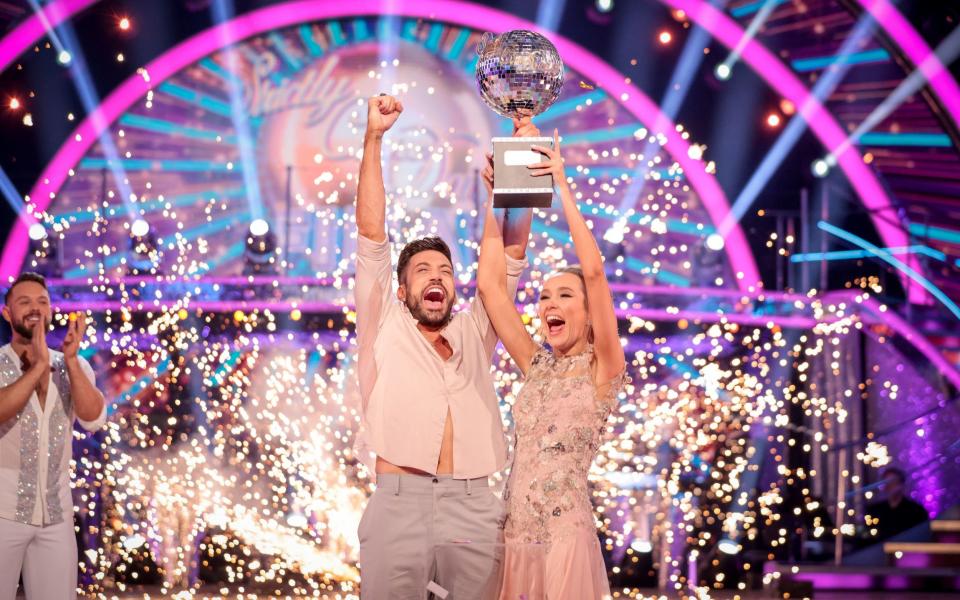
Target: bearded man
point(430, 410)
point(42, 393)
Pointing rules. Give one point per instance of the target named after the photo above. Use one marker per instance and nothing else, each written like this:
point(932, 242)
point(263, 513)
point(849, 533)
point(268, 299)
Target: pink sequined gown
point(553, 552)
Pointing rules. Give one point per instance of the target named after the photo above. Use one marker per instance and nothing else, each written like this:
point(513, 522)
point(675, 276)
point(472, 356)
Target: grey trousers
point(424, 536)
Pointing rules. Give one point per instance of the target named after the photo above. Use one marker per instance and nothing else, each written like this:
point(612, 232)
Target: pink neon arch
point(863, 179)
point(893, 22)
point(919, 53)
point(821, 122)
point(459, 13)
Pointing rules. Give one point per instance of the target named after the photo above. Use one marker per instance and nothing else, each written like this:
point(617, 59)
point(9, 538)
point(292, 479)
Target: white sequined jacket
point(36, 445)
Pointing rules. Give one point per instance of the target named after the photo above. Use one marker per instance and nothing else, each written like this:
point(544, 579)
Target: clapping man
point(42, 393)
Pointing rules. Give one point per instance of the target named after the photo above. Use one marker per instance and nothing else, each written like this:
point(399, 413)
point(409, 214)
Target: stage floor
point(651, 595)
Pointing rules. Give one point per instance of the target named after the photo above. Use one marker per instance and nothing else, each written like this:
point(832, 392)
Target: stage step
point(947, 530)
point(799, 579)
point(923, 554)
point(951, 526)
point(922, 547)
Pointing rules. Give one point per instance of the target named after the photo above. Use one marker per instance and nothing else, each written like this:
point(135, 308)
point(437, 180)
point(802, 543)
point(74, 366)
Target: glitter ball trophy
point(519, 74)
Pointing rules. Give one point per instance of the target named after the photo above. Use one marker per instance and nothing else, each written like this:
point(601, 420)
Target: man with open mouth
point(42, 393)
point(430, 411)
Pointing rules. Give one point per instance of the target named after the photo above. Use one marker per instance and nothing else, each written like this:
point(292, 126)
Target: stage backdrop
point(272, 128)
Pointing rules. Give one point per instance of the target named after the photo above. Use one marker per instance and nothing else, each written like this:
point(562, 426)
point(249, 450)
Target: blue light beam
point(828, 81)
point(725, 69)
point(223, 14)
point(673, 97)
point(13, 198)
point(549, 13)
point(858, 254)
point(894, 262)
point(80, 76)
point(946, 53)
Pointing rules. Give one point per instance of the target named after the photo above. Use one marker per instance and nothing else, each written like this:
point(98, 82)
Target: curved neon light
point(27, 33)
point(893, 261)
point(458, 13)
point(892, 319)
point(821, 122)
point(916, 49)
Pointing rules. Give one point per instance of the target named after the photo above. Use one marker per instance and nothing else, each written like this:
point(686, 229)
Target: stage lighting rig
point(260, 256)
point(715, 242)
point(144, 250)
point(45, 251)
point(820, 168)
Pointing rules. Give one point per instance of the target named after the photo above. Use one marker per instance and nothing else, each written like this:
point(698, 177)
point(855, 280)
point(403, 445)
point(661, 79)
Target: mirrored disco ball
point(519, 73)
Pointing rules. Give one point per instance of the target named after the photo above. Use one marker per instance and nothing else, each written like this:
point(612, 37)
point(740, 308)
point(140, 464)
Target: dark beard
point(428, 318)
point(26, 332)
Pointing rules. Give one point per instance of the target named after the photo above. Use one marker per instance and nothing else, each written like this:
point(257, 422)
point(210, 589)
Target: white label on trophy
point(522, 158)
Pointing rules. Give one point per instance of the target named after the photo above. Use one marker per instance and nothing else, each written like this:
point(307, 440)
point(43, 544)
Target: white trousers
point(46, 555)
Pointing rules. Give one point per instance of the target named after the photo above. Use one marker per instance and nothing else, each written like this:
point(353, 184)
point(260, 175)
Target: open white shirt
point(407, 389)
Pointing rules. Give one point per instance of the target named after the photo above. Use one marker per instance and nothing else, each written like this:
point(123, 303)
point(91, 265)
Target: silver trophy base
point(513, 185)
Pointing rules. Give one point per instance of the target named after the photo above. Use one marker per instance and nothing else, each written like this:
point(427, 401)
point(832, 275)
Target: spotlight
point(64, 58)
point(722, 71)
point(820, 167)
point(665, 37)
point(140, 228)
point(259, 258)
point(145, 254)
point(604, 6)
point(124, 23)
point(773, 120)
point(14, 103)
point(259, 227)
point(715, 242)
point(297, 520)
point(44, 251)
point(642, 546)
point(37, 232)
point(728, 546)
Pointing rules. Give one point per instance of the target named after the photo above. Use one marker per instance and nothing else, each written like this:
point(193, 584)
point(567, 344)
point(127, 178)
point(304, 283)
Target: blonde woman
point(570, 387)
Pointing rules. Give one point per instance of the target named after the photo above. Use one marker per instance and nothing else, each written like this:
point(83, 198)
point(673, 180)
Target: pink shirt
point(406, 388)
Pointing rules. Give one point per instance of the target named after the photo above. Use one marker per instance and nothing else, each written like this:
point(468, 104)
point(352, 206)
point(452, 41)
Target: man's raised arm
point(374, 278)
point(382, 113)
